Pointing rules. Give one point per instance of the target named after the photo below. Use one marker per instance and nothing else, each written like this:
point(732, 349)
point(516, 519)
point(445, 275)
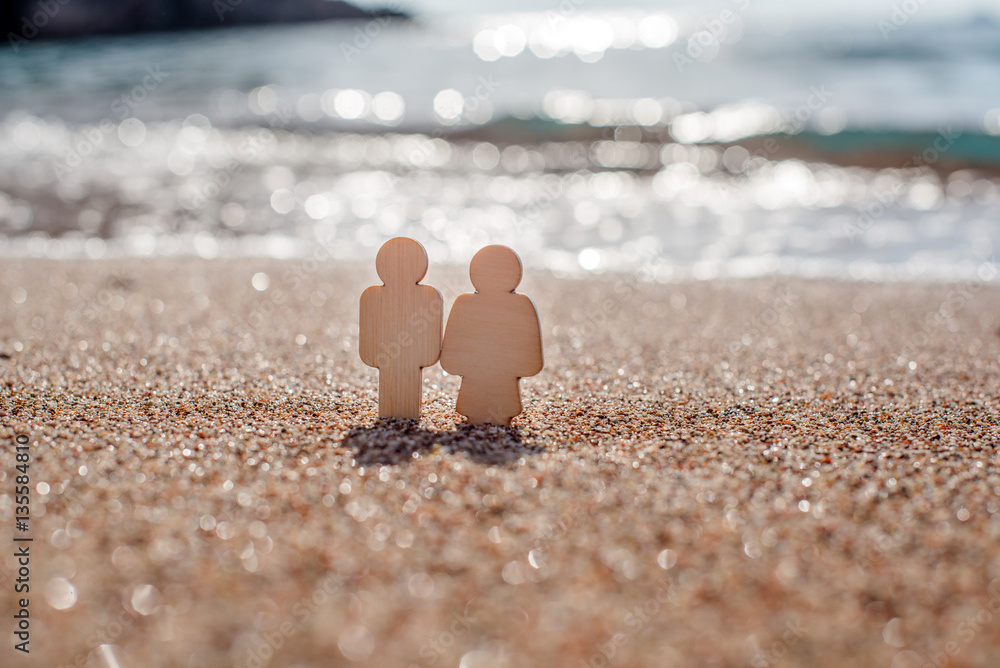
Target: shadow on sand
point(395, 441)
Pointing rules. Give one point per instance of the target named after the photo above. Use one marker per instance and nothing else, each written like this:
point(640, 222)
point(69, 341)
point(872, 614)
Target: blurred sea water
point(681, 144)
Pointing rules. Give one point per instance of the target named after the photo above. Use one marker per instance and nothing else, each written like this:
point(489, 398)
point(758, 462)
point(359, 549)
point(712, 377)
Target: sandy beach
point(775, 472)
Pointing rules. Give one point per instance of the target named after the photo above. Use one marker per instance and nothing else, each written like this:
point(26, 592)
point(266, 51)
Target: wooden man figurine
point(400, 328)
point(493, 339)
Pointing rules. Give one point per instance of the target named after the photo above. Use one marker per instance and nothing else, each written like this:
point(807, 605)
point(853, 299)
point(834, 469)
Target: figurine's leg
point(512, 405)
point(508, 402)
point(400, 392)
point(471, 400)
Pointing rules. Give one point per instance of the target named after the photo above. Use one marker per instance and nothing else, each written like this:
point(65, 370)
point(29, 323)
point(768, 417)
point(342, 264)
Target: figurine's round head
point(495, 269)
point(401, 261)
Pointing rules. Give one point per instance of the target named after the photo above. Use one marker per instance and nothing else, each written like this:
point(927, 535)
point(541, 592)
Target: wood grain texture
point(400, 327)
point(493, 339)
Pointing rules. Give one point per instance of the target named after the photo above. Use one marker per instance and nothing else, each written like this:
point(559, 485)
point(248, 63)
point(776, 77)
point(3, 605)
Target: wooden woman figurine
point(492, 340)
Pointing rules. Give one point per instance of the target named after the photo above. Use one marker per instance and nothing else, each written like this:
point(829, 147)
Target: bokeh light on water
point(675, 142)
point(637, 199)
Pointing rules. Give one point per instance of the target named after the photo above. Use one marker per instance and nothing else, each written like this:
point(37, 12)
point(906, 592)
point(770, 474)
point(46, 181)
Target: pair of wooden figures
point(492, 340)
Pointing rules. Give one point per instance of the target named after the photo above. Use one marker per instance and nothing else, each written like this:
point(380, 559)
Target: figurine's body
point(400, 327)
point(492, 340)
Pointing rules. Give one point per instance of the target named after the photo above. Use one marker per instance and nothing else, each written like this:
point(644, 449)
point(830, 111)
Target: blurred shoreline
point(636, 202)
